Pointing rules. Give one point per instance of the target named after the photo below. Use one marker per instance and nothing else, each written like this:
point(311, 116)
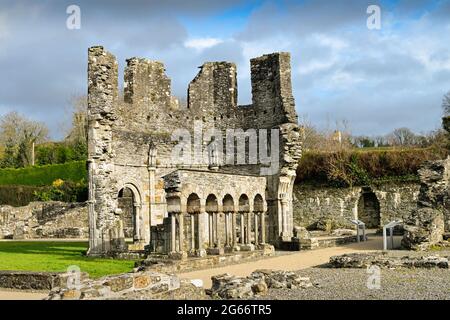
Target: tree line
point(25, 142)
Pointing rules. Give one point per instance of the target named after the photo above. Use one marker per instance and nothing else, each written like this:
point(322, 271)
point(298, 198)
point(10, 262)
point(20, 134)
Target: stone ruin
point(428, 224)
point(199, 207)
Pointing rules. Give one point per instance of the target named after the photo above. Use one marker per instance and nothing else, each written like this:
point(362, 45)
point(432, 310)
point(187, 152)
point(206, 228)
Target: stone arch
point(193, 208)
point(228, 203)
point(258, 203)
point(243, 219)
point(193, 203)
point(369, 208)
point(129, 203)
point(244, 203)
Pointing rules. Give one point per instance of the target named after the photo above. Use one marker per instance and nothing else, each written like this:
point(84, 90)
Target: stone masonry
point(44, 220)
point(212, 203)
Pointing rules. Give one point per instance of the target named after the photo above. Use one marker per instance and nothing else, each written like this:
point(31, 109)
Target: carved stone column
point(210, 229)
point(233, 229)
point(137, 222)
point(181, 231)
point(227, 229)
point(263, 227)
point(256, 228)
point(242, 228)
point(216, 230)
point(249, 227)
point(173, 235)
point(192, 232)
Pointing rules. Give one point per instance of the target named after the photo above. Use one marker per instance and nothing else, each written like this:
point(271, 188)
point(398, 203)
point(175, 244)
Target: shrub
point(44, 175)
point(361, 167)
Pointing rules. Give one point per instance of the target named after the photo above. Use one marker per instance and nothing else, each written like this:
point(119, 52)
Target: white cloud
point(202, 43)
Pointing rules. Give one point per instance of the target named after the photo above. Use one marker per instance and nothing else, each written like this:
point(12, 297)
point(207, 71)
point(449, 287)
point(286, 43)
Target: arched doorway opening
point(193, 209)
point(244, 220)
point(212, 211)
point(126, 202)
point(369, 209)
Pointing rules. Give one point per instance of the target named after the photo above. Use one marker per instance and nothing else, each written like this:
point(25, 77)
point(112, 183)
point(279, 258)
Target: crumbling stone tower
point(193, 207)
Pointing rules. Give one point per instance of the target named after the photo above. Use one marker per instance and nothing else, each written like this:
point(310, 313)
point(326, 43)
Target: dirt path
point(21, 295)
point(289, 262)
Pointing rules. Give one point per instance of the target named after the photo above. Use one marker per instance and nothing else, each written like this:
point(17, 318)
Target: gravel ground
point(351, 284)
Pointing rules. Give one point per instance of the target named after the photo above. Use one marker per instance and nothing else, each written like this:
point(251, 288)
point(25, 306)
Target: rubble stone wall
point(44, 220)
point(313, 204)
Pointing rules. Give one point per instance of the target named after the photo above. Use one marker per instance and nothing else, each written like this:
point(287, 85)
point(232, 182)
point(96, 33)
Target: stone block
point(141, 282)
point(215, 251)
point(120, 283)
point(247, 247)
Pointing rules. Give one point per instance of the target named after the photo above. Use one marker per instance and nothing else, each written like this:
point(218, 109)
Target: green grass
point(57, 257)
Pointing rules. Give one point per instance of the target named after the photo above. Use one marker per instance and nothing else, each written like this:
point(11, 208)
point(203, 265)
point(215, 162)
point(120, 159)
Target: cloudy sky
point(376, 80)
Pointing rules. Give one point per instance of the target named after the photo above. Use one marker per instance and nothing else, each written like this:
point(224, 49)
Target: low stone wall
point(44, 220)
point(161, 263)
point(365, 260)
point(130, 286)
point(24, 280)
point(316, 204)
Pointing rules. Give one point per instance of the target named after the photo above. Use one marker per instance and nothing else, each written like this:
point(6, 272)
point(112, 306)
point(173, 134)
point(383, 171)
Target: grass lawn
point(57, 257)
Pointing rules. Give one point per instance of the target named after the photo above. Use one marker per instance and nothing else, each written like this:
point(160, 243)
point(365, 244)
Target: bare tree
point(402, 137)
point(78, 130)
point(446, 104)
point(19, 135)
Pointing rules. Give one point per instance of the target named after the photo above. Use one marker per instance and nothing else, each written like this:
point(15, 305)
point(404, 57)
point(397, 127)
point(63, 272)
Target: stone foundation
point(161, 263)
point(130, 286)
point(24, 280)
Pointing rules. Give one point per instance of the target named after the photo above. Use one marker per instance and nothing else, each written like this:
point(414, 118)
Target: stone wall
point(427, 223)
point(28, 280)
point(130, 286)
point(314, 204)
point(44, 220)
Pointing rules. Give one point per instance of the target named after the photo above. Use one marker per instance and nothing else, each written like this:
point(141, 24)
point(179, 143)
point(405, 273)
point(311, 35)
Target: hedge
point(365, 166)
point(44, 175)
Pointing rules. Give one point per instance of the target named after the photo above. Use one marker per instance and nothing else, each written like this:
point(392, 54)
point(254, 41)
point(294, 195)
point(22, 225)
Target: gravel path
point(351, 284)
point(289, 262)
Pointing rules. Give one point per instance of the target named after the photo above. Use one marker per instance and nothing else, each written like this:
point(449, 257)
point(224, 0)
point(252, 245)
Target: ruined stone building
point(211, 203)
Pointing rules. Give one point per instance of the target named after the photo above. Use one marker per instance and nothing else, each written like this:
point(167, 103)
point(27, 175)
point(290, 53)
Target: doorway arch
point(369, 209)
point(129, 201)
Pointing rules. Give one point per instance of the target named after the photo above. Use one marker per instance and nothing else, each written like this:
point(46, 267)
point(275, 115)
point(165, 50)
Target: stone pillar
point(249, 227)
point(193, 232)
point(227, 229)
point(181, 231)
point(210, 229)
point(263, 227)
point(216, 230)
point(173, 235)
point(256, 229)
point(233, 229)
point(102, 102)
point(242, 228)
point(137, 221)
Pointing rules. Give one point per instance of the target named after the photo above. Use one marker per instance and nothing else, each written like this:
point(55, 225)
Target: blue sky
point(375, 80)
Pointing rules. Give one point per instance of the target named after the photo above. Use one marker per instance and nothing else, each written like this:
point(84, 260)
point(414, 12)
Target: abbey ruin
point(208, 204)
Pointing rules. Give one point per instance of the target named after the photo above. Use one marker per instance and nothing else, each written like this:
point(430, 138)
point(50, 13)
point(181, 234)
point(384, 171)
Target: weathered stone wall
point(44, 220)
point(428, 222)
point(313, 204)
